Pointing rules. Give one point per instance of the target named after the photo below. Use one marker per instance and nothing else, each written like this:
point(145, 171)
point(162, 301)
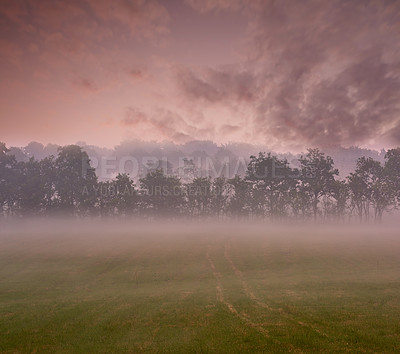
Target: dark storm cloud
point(317, 72)
point(144, 17)
point(77, 26)
point(354, 106)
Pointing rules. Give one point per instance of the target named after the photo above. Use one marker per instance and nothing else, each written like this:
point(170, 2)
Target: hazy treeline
point(209, 157)
point(271, 187)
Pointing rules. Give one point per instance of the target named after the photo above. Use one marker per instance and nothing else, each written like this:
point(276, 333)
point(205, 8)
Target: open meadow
point(263, 291)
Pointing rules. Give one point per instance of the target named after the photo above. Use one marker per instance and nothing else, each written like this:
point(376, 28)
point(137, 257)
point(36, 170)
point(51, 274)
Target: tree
point(392, 171)
point(49, 174)
point(105, 193)
point(76, 180)
point(161, 194)
point(372, 186)
point(219, 195)
point(318, 175)
point(26, 186)
point(199, 196)
point(271, 180)
point(300, 200)
point(357, 188)
point(383, 196)
point(126, 197)
point(31, 187)
point(8, 185)
point(188, 171)
point(340, 194)
point(239, 196)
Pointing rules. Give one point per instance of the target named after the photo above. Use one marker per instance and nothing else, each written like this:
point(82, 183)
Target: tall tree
point(76, 180)
point(239, 196)
point(300, 200)
point(358, 198)
point(318, 175)
point(31, 187)
point(378, 185)
point(8, 185)
point(126, 197)
point(271, 180)
point(371, 185)
point(219, 196)
point(49, 175)
point(161, 194)
point(392, 171)
point(340, 194)
point(105, 193)
point(199, 196)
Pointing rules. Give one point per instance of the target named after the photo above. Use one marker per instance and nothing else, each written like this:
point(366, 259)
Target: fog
point(123, 230)
point(80, 281)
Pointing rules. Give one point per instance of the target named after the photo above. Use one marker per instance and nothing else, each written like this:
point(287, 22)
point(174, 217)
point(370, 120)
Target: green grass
point(199, 293)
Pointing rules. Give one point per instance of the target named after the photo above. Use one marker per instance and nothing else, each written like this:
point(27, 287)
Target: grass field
point(194, 292)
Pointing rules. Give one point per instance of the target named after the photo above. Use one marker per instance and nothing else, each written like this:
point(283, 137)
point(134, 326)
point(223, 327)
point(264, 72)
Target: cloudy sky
point(286, 74)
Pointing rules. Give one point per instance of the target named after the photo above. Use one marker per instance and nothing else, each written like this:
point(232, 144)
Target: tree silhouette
point(318, 175)
point(240, 193)
point(271, 180)
point(161, 194)
point(75, 180)
point(199, 196)
point(8, 187)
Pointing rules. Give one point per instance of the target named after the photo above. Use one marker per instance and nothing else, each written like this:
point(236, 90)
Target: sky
point(285, 74)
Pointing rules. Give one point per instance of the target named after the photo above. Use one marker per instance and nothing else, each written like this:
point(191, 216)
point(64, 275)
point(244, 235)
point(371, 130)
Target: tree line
point(271, 188)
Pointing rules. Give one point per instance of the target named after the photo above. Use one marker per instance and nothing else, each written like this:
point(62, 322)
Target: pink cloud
point(86, 84)
point(11, 52)
point(148, 18)
point(161, 124)
point(216, 5)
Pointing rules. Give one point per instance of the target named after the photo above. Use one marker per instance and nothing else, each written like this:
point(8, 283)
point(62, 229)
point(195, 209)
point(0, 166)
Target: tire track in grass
point(231, 308)
point(146, 345)
point(244, 317)
point(253, 297)
point(246, 288)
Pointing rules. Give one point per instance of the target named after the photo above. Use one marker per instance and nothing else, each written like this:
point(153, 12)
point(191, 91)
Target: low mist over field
point(210, 289)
